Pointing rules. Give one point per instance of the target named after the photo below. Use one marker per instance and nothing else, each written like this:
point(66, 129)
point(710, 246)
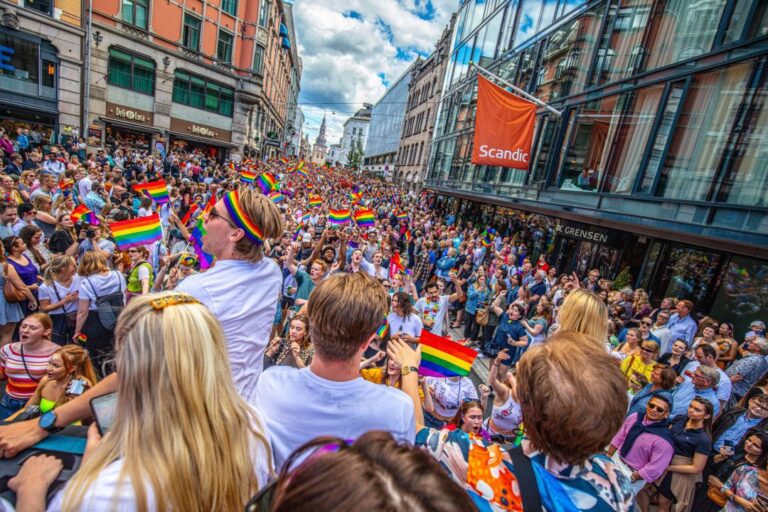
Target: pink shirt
point(649, 456)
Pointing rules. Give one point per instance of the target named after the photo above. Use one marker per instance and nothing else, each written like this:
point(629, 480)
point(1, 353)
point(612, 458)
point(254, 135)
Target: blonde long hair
point(583, 311)
point(181, 428)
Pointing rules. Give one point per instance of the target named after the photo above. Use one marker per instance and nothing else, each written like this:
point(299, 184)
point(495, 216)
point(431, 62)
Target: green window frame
point(224, 47)
point(131, 71)
point(197, 92)
point(229, 6)
point(136, 13)
point(258, 59)
point(191, 34)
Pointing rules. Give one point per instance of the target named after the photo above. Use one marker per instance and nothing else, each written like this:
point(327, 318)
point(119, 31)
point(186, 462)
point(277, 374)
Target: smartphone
point(76, 387)
point(104, 408)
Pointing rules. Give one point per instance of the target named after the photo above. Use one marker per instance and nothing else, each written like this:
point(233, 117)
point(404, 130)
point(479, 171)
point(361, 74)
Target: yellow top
point(632, 364)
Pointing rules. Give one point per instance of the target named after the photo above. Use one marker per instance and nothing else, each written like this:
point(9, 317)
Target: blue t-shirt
point(689, 442)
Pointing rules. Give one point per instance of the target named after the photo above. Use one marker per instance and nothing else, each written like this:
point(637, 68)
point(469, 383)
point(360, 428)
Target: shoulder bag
point(11, 292)
point(526, 479)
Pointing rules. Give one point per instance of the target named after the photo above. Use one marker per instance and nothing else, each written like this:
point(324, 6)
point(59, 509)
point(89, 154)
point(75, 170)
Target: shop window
point(701, 133)
point(547, 129)
point(747, 181)
point(43, 6)
point(229, 6)
point(258, 59)
point(748, 20)
point(741, 298)
point(191, 34)
point(566, 57)
point(19, 58)
point(131, 71)
point(690, 273)
point(618, 53)
point(197, 92)
point(684, 29)
point(224, 47)
point(135, 13)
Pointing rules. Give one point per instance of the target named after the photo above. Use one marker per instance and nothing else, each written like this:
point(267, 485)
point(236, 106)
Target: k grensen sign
point(503, 127)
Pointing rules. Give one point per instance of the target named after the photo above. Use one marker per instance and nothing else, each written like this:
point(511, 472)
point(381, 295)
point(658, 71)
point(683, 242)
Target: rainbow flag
point(401, 216)
point(267, 183)
point(205, 259)
point(315, 200)
point(296, 233)
point(157, 190)
point(276, 197)
point(209, 205)
point(305, 218)
point(247, 177)
point(66, 183)
point(338, 216)
point(441, 357)
point(407, 236)
point(302, 171)
point(355, 196)
point(365, 217)
point(192, 209)
point(136, 232)
point(82, 212)
point(284, 160)
point(382, 331)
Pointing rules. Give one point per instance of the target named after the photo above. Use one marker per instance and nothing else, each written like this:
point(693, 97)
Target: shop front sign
point(132, 115)
point(182, 127)
point(586, 232)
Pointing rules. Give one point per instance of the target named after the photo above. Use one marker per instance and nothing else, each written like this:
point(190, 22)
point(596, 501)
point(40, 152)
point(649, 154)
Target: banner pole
point(517, 89)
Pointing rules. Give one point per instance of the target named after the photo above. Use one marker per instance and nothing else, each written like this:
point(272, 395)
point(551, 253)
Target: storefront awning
point(203, 140)
point(131, 126)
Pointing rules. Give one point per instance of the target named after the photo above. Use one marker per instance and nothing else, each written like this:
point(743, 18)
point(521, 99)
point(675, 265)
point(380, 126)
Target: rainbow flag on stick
point(209, 205)
point(81, 212)
point(276, 197)
point(441, 357)
point(401, 216)
point(382, 331)
point(315, 200)
point(136, 232)
point(157, 190)
point(192, 209)
point(267, 183)
point(247, 177)
point(338, 216)
point(205, 259)
point(365, 217)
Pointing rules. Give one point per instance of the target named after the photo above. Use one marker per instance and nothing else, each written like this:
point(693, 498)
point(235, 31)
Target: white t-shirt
point(724, 387)
point(448, 395)
point(243, 297)
point(411, 325)
point(100, 285)
point(47, 292)
point(100, 495)
point(298, 406)
point(433, 312)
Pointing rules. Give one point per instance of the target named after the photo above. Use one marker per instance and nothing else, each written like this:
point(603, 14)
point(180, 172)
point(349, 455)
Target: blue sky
point(352, 50)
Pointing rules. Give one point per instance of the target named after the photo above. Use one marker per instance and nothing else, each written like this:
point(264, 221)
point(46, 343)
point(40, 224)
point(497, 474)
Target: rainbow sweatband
point(82, 338)
point(240, 219)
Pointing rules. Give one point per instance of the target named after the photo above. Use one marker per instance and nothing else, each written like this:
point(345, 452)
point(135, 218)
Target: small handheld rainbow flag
point(305, 218)
point(276, 197)
point(355, 196)
point(136, 232)
point(302, 171)
point(157, 190)
point(401, 216)
point(365, 217)
point(247, 176)
point(267, 183)
point(315, 200)
point(441, 357)
point(283, 160)
point(66, 183)
point(205, 259)
point(338, 216)
point(382, 331)
point(82, 338)
point(407, 236)
point(82, 212)
point(209, 205)
point(192, 209)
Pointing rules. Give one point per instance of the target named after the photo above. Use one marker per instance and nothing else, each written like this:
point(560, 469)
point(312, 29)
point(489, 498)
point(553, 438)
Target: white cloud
point(347, 46)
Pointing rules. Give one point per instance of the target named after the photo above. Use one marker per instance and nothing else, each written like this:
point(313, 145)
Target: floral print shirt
point(486, 472)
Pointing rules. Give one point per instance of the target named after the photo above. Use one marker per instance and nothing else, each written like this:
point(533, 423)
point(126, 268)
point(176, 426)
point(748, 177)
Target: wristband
point(82, 338)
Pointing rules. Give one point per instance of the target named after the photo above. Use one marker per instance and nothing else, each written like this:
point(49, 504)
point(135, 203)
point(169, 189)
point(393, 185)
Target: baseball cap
point(306, 237)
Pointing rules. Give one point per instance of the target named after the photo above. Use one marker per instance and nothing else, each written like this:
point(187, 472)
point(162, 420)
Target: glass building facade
point(663, 133)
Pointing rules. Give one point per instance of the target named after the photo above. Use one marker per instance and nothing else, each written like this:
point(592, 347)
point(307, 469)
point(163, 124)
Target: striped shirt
point(20, 385)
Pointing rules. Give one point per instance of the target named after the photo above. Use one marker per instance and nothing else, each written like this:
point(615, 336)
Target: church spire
point(321, 136)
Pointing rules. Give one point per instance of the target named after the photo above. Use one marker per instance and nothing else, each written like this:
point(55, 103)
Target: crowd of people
point(275, 361)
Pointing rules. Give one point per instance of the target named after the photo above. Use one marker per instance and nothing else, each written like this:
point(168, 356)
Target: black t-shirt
point(689, 442)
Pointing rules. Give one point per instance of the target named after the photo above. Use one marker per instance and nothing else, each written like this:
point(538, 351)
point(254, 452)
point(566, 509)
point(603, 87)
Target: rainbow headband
point(240, 219)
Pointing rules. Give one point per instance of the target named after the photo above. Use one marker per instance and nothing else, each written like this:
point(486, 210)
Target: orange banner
point(503, 127)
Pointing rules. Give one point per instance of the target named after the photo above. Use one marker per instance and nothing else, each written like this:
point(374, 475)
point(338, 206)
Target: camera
point(90, 233)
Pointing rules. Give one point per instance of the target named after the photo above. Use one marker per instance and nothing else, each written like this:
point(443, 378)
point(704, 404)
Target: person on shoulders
point(329, 397)
point(681, 325)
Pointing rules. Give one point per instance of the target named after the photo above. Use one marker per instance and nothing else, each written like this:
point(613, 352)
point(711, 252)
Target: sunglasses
point(648, 350)
point(656, 408)
point(646, 323)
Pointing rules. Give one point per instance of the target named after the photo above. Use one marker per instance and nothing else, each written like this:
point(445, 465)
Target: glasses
point(656, 408)
point(648, 350)
point(646, 322)
point(215, 214)
point(132, 250)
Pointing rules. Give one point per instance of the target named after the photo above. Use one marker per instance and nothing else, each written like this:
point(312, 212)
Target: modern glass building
point(659, 162)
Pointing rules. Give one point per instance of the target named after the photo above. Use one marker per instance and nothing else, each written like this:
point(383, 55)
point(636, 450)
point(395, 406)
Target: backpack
point(108, 307)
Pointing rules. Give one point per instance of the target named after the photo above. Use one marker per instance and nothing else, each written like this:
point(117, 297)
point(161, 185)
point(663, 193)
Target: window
point(745, 19)
point(264, 9)
point(135, 12)
point(229, 6)
point(700, 135)
point(618, 53)
point(200, 93)
point(19, 58)
point(258, 59)
point(44, 6)
point(191, 35)
point(224, 47)
point(131, 71)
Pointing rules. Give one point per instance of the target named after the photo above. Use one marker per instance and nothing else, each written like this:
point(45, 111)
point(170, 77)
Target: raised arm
point(404, 355)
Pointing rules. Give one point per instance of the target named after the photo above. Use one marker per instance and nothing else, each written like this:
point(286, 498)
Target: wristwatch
point(405, 370)
point(48, 422)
